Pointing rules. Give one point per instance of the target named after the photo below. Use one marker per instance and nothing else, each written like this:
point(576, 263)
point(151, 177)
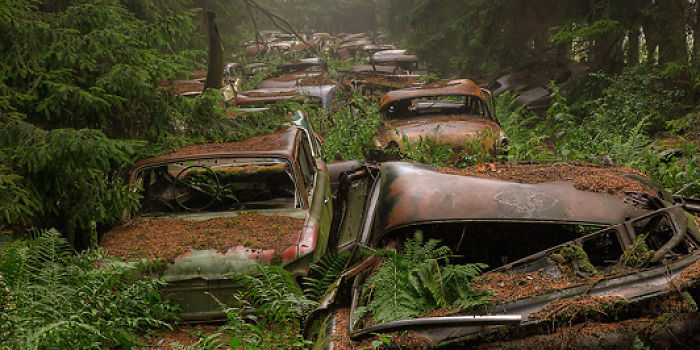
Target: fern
point(419, 280)
point(326, 271)
point(275, 295)
point(63, 299)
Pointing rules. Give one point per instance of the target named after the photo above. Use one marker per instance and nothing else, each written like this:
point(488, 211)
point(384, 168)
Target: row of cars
point(215, 209)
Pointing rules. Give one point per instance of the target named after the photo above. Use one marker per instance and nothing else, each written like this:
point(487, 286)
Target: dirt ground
point(162, 339)
point(167, 238)
point(341, 338)
point(609, 180)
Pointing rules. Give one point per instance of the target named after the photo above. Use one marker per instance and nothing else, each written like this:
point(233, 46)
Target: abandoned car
point(212, 210)
point(457, 113)
point(534, 83)
point(395, 58)
point(321, 94)
point(554, 254)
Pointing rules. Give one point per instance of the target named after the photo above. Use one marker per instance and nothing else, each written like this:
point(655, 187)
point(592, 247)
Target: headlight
point(501, 142)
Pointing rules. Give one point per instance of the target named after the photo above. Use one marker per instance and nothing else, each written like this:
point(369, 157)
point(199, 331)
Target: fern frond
point(420, 279)
point(323, 273)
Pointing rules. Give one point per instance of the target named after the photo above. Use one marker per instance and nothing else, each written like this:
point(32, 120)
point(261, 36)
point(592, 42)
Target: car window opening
point(218, 185)
point(497, 244)
point(438, 105)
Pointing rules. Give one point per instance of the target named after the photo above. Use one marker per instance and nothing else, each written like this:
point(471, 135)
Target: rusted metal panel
point(397, 57)
point(265, 96)
point(462, 87)
point(280, 143)
point(412, 194)
point(362, 68)
point(455, 130)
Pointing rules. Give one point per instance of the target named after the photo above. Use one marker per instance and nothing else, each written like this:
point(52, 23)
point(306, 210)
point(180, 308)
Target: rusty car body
point(397, 57)
point(301, 64)
point(321, 95)
point(515, 228)
point(534, 83)
point(457, 113)
point(278, 175)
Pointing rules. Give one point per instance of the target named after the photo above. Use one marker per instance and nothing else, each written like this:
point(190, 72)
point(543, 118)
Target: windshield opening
point(495, 243)
point(437, 105)
point(220, 184)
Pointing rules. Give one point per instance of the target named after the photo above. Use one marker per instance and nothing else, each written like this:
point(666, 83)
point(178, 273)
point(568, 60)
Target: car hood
point(214, 264)
point(211, 245)
point(458, 131)
point(636, 289)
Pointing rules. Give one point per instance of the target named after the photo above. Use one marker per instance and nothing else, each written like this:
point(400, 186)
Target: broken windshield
point(218, 184)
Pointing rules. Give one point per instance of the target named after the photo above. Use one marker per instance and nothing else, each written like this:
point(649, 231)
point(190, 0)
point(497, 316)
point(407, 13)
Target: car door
point(351, 204)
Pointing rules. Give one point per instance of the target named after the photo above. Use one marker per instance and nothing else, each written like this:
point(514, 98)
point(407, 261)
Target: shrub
point(59, 299)
point(418, 280)
point(348, 130)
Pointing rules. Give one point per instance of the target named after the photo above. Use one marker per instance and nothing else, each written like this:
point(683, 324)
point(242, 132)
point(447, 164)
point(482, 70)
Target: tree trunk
point(633, 47)
point(696, 35)
point(671, 24)
point(215, 69)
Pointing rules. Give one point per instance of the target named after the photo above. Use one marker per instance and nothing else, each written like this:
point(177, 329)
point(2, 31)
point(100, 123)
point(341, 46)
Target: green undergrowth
point(348, 129)
point(626, 125)
point(417, 280)
point(55, 298)
point(280, 306)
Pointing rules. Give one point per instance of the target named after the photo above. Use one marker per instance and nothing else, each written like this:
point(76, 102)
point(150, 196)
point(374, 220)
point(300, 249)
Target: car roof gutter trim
point(430, 322)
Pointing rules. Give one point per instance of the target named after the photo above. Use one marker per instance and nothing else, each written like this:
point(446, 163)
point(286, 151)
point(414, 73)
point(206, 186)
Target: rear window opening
point(497, 244)
point(218, 185)
point(440, 105)
point(657, 231)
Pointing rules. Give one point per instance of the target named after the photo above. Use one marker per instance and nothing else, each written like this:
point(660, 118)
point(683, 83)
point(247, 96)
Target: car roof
point(281, 143)
point(414, 194)
point(462, 87)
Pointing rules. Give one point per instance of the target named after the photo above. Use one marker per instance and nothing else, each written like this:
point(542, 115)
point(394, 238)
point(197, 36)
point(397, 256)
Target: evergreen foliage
point(418, 280)
point(82, 85)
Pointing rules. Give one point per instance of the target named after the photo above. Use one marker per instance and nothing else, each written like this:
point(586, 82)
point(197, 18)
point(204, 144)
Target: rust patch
point(316, 80)
point(441, 118)
point(341, 339)
point(383, 80)
point(463, 87)
point(200, 74)
point(183, 87)
point(690, 275)
point(167, 238)
point(269, 94)
point(279, 140)
point(585, 178)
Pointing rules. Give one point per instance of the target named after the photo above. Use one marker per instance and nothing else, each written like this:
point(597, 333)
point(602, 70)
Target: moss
point(575, 257)
point(583, 308)
point(637, 254)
